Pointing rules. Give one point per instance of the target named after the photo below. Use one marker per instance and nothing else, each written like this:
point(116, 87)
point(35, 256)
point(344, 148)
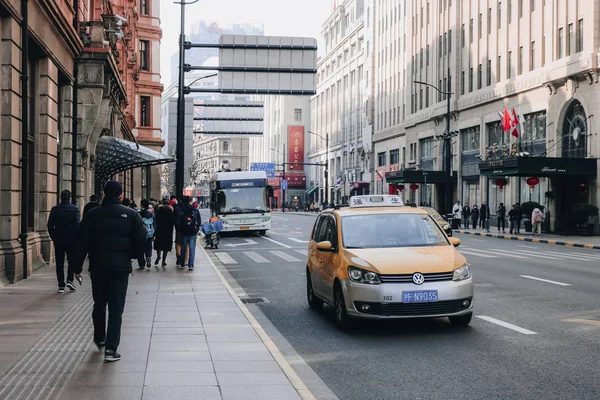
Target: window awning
point(539, 166)
point(310, 190)
point(114, 155)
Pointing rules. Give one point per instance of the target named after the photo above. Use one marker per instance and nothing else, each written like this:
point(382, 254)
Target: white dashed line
point(506, 325)
point(545, 280)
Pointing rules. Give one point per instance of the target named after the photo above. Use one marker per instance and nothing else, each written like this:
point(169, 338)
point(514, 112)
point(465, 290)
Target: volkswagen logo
point(418, 278)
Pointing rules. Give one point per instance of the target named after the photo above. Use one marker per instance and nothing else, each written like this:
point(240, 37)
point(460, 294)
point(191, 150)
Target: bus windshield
point(242, 200)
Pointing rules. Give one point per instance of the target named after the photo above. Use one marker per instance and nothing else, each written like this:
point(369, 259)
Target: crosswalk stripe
point(472, 253)
point(573, 256)
point(298, 240)
point(529, 254)
point(505, 253)
point(303, 252)
point(225, 258)
point(284, 256)
point(257, 258)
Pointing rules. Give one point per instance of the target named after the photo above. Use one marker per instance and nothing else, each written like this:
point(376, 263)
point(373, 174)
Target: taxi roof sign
point(376, 201)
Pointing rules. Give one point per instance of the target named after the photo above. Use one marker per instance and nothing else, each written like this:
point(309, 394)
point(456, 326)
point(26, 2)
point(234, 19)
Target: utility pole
point(327, 168)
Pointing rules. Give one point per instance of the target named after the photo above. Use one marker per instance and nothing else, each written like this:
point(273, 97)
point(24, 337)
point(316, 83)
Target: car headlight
point(360, 275)
point(462, 273)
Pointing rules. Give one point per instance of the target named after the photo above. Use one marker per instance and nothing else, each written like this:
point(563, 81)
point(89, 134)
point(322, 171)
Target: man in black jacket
point(113, 235)
point(91, 205)
point(63, 224)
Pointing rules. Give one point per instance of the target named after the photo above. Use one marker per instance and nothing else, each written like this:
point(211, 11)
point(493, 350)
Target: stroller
point(211, 231)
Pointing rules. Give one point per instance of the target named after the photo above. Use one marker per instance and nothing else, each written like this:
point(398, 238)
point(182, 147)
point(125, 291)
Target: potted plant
point(526, 210)
point(580, 216)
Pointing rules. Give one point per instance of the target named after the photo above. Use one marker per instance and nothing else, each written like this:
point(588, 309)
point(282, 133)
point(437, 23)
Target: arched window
point(225, 146)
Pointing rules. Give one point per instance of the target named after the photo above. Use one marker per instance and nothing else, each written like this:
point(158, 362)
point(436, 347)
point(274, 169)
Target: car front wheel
point(313, 301)
point(342, 320)
point(461, 320)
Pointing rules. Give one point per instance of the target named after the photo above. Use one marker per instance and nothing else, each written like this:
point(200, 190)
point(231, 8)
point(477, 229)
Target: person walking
point(484, 216)
point(94, 202)
point(537, 217)
point(188, 225)
point(457, 212)
point(163, 242)
point(147, 215)
point(474, 216)
point(113, 235)
point(513, 218)
point(501, 214)
point(519, 218)
point(63, 225)
point(466, 214)
point(175, 204)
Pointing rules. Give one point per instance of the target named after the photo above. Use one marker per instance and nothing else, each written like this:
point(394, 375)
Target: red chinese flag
point(506, 121)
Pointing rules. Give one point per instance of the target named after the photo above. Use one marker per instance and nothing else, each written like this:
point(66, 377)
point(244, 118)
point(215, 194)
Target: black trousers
point(60, 250)
point(108, 288)
point(501, 223)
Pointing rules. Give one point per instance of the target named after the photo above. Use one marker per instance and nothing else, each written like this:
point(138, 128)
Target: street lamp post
point(283, 164)
point(326, 163)
point(447, 137)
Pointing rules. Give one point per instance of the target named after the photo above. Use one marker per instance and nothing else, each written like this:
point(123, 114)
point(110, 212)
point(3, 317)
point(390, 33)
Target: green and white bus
point(241, 200)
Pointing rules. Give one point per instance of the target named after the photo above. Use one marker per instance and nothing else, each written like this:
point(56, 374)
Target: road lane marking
point(284, 256)
point(257, 258)
point(298, 240)
point(476, 254)
point(276, 242)
point(303, 252)
point(528, 253)
point(572, 256)
point(506, 253)
point(545, 280)
point(225, 258)
point(584, 321)
point(506, 325)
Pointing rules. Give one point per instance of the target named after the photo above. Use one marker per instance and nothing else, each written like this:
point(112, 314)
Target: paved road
point(536, 333)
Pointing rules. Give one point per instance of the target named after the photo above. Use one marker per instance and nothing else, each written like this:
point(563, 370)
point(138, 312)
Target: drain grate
point(46, 367)
point(253, 300)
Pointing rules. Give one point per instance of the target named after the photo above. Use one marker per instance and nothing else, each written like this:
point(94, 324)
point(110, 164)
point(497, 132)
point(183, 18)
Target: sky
point(280, 18)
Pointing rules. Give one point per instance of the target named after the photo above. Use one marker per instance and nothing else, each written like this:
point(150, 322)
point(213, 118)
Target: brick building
point(90, 70)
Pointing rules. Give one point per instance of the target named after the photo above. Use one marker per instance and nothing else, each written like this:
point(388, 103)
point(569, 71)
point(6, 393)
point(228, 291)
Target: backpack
point(539, 218)
point(149, 225)
point(188, 225)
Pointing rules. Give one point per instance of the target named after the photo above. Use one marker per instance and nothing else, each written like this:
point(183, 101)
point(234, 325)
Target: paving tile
point(178, 331)
point(115, 378)
point(214, 299)
point(109, 392)
point(280, 392)
point(136, 331)
point(220, 330)
point(241, 355)
point(233, 338)
point(180, 356)
point(182, 393)
point(178, 338)
point(251, 378)
point(177, 324)
point(244, 366)
point(183, 366)
point(237, 346)
point(98, 366)
point(183, 346)
point(180, 379)
point(177, 318)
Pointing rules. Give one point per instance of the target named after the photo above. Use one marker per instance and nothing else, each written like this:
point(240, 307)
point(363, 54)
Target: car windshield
point(391, 230)
point(243, 200)
point(435, 215)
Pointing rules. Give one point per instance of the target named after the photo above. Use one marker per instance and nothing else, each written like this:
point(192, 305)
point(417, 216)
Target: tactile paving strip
point(46, 367)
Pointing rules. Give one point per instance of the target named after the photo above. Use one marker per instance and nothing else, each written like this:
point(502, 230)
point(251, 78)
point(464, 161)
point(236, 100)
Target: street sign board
point(221, 117)
point(269, 168)
point(284, 184)
point(279, 65)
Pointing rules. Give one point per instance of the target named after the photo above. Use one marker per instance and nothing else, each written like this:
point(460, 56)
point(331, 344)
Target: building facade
point(284, 142)
point(536, 57)
point(340, 109)
point(68, 119)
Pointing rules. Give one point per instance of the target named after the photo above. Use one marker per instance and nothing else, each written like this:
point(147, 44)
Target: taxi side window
point(322, 230)
point(318, 225)
point(330, 232)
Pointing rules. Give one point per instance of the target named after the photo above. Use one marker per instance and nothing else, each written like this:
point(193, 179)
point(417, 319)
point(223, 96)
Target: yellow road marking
point(569, 244)
point(507, 237)
point(551, 241)
point(584, 321)
point(535, 240)
point(521, 239)
point(588, 246)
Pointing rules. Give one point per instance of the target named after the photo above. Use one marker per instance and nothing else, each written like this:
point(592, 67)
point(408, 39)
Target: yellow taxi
point(380, 259)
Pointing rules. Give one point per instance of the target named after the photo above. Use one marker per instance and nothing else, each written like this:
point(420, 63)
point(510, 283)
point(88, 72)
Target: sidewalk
point(588, 242)
point(185, 335)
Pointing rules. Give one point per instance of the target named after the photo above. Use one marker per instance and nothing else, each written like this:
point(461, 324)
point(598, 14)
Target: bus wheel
point(262, 233)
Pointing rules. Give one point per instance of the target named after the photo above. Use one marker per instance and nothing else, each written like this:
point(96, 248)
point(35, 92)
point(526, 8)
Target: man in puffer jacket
point(113, 236)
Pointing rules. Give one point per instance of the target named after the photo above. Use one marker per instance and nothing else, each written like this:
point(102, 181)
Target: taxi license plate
point(244, 228)
point(420, 296)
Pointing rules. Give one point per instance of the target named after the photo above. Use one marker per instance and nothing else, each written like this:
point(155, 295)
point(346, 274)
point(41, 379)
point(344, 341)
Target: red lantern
point(401, 188)
point(501, 182)
point(532, 182)
point(414, 187)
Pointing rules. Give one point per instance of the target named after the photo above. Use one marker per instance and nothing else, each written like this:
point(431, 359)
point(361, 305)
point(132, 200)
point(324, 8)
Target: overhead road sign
point(269, 168)
point(221, 117)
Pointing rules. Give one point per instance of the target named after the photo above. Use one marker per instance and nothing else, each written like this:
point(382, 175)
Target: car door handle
point(320, 260)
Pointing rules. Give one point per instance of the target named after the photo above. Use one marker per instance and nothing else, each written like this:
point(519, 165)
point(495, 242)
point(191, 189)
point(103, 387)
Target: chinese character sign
point(296, 147)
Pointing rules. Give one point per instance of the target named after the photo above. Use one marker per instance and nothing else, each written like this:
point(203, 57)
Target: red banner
point(296, 147)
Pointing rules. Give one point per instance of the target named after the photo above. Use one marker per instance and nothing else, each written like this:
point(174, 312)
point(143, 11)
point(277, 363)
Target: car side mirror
point(325, 246)
point(454, 241)
point(446, 227)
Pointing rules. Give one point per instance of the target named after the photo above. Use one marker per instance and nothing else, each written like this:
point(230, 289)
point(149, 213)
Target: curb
point(527, 239)
point(287, 369)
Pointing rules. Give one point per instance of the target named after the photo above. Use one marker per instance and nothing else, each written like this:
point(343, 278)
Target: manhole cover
point(252, 300)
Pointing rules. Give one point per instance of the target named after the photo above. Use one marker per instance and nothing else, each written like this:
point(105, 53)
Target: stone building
point(537, 57)
point(71, 74)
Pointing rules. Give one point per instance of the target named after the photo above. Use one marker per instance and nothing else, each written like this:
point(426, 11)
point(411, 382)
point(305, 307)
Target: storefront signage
point(296, 147)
